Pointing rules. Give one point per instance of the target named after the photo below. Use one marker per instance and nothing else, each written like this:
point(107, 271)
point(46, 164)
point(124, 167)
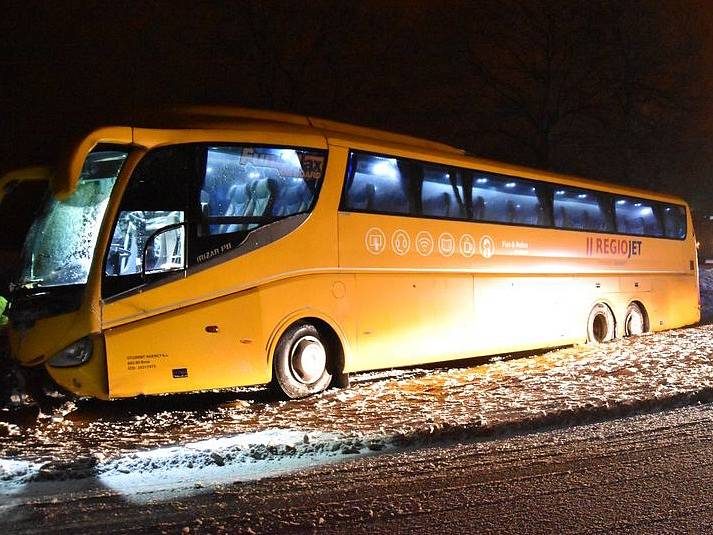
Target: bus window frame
point(543, 183)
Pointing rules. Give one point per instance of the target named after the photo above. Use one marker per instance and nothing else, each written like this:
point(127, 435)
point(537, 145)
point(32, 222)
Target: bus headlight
point(72, 355)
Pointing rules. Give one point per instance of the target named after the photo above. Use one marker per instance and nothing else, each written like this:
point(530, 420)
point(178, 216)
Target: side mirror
point(165, 250)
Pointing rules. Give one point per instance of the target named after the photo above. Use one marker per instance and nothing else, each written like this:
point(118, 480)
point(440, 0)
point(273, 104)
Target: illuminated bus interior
point(399, 186)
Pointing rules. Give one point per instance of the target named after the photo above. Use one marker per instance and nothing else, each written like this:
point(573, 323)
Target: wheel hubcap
point(308, 359)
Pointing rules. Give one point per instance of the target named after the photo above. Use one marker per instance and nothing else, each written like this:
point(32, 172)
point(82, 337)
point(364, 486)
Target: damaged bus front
point(53, 313)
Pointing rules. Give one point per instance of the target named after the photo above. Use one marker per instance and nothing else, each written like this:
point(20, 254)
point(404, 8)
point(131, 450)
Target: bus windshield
point(60, 245)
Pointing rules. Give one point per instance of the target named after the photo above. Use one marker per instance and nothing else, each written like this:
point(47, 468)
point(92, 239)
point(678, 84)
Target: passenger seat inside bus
point(239, 197)
point(561, 218)
point(262, 198)
point(438, 205)
point(479, 208)
point(292, 200)
point(511, 211)
point(370, 196)
point(446, 205)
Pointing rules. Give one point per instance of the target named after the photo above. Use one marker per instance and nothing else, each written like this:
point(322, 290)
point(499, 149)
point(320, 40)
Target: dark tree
point(605, 89)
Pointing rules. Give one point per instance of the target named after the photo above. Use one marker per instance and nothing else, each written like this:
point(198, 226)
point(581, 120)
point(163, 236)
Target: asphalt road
point(643, 474)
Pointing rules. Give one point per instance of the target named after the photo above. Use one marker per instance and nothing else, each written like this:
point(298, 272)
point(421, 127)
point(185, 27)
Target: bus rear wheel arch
point(601, 326)
point(307, 359)
point(636, 320)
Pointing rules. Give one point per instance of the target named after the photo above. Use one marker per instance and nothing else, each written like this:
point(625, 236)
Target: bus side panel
point(527, 312)
point(214, 344)
point(686, 309)
point(673, 302)
point(413, 318)
point(327, 297)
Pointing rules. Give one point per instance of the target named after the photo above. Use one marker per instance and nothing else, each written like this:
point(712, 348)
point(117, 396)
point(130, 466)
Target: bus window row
point(400, 186)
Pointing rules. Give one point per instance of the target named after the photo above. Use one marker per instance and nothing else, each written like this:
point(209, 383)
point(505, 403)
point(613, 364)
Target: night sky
point(610, 90)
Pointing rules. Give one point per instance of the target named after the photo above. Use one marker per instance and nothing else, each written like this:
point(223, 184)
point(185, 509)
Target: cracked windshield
point(60, 244)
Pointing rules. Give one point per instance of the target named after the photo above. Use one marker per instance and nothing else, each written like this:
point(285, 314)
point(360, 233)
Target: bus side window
point(674, 221)
point(131, 235)
point(506, 199)
point(257, 182)
point(375, 183)
point(580, 209)
point(156, 196)
point(442, 193)
point(637, 216)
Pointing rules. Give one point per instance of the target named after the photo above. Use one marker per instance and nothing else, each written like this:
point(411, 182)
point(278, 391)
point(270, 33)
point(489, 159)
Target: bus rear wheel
point(634, 320)
point(600, 326)
point(301, 362)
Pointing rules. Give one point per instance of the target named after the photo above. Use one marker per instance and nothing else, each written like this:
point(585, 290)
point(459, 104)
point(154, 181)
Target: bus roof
point(225, 117)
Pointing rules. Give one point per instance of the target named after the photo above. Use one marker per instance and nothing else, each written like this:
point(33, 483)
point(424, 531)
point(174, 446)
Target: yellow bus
point(232, 247)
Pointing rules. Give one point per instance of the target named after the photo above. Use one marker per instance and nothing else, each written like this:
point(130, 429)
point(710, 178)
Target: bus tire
point(634, 320)
point(301, 362)
point(341, 380)
point(600, 325)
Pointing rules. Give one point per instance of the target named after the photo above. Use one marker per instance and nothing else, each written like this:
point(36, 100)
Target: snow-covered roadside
point(170, 472)
point(163, 446)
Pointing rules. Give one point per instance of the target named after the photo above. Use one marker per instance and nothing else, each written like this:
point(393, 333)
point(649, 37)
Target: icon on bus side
point(467, 245)
point(375, 240)
point(487, 246)
point(424, 243)
point(401, 242)
point(446, 244)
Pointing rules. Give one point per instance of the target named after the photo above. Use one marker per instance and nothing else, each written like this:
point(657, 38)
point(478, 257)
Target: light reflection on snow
point(14, 476)
point(185, 470)
point(17, 472)
point(175, 443)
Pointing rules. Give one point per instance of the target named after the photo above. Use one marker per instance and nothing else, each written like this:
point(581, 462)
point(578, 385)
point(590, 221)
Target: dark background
point(611, 90)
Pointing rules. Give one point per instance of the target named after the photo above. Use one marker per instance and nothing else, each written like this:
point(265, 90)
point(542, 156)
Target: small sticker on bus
point(401, 242)
point(446, 244)
point(467, 245)
point(179, 373)
point(143, 362)
point(424, 243)
point(375, 240)
point(487, 246)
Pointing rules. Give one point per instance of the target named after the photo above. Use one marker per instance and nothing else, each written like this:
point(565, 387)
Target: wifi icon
point(424, 243)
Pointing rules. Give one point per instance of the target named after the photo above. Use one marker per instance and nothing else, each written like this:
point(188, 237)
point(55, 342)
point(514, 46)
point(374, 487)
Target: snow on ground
point(705, 280)
point(148, 447)
point(173, 471)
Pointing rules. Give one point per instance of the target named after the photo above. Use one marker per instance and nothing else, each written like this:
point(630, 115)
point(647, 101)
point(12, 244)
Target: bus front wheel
point(600, 326)
point(301, 362)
